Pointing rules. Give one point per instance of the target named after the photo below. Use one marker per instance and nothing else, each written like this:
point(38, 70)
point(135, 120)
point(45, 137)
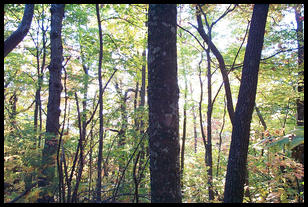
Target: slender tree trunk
point(200, 105)
point(221, 62)
point(53, 108)
point(124, 123)
point(83, 132)
point(14, 39)
point(220, 140)
point(13, 106)
point(40, 74)
point(163, 94)
point(101, 119)
point(236, 170)
point(260, 117)
point(194, 122)
point(209, 161)
point(141, 106)
point(184, 132)
point(61, 158)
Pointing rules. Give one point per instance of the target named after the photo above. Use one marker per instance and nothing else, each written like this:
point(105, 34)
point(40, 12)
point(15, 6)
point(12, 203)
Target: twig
point(23, 193)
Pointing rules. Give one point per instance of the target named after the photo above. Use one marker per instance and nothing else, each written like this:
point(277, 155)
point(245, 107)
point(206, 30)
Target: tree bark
point(101, 118)
point(221, 62)
point(163, 94)
point(184, 132)
point(298, 151)
point(236, 170)
point(209, 162)
point(300, 61)
point(14, 39)
point(53, 108)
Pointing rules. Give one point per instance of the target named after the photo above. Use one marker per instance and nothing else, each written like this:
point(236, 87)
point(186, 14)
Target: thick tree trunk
point(300, 61)
point(236, 170)
point(53, 107)
point(14, 39)
point(163, 93)
point(298, 152)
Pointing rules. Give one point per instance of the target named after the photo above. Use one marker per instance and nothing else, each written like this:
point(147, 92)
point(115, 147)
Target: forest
point(153, 103)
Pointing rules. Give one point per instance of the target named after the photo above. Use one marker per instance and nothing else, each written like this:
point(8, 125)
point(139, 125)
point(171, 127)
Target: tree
point(236, 170)
point(219, 58)
point(53, 108)
point(101, 118)
point(298, 152)
point(163, 95)
point(14, 39)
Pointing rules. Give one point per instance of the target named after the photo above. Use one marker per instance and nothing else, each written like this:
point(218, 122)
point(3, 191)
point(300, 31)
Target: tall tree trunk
point(184, 131)
point(40, 74)
point(200, 105)
point(13, 112)
point(124, 123)
point(83, 131)
point(220, 139)
point(298, 152)
point(141, 126)
point(101, 118)
point(209, 162)
point(163, 93)
point(236, 170)
point(14, 39)
point(53, 108)
point(300, 61)
point(194, 122)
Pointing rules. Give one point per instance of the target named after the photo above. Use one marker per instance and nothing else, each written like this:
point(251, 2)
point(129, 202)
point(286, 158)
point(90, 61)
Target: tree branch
point(221, 62)
point(14, 39)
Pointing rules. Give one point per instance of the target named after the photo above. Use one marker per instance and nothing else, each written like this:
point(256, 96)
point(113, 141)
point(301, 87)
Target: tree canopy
point(103, 69)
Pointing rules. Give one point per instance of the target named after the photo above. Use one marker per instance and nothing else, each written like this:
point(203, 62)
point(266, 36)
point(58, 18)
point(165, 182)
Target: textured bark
point(209, 162)
point(236, 170)
point(298, 151)
point(53, 107)
point(163, 93)
point(300, 61)
point(14, 39)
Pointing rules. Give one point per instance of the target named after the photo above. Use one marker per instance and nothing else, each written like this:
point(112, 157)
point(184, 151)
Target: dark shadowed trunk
point(47, 173)
point(236, 170)
point(184, 131)
point(101, 119)
point(163, 93)
point(208, 160)
point(14, 39)
point(298, 151)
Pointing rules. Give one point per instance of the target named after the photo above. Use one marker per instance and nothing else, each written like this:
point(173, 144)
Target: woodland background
point(101, 153)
